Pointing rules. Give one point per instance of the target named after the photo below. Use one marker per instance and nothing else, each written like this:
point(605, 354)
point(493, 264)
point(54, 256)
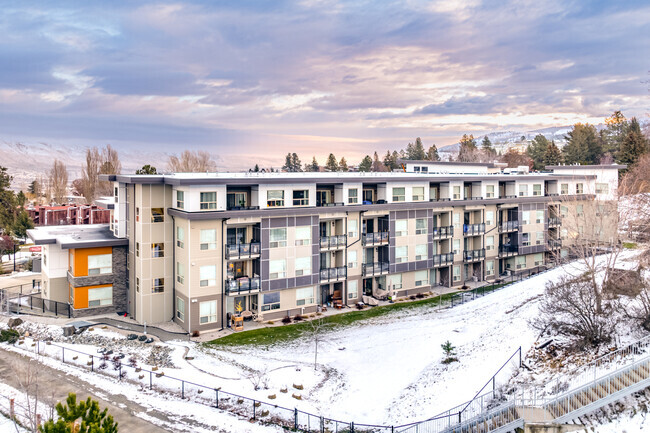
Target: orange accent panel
point(80, 256)
point(81, 295)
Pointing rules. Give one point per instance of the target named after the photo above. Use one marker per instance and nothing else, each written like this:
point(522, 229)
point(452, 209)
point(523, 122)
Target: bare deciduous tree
point(109, 164)
point(59, 180)
point(191, 162)
point(634, 205)
point(90, 174)
point(99, 162)
point(315, 333)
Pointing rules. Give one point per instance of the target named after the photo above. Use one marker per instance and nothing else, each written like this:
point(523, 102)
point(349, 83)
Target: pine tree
point(468, 151)
point(553, 155)
point(92, 419)
point(256, 169)
point(21, 198)
point(582, 145)
point(376, 164)
point(634, 144)
point(21, 224)
point(313, 167)
point(331, 164)
point(366, 164)
point(296, 164)
point(288, 165)
point(390, 160)
point(147, 169)
point(415, 151)
point(7, 201)
point(432, 153)
point(343, 164)
point(537, 151)
point(613, 135)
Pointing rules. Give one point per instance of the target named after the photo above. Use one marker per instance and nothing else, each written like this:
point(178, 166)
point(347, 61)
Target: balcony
point(508, 250)
point(473, 255)
point(443, 259)
point(508, 226)
point(377, 268)
point(333, 242)
point(377, 238)
point(242, 286)
point(473, 229)
point(333, 274)
point(242, 251)
point(329, 204)
point(554, 221)
point(443, 232)
point(243, 207)
point(554, 244)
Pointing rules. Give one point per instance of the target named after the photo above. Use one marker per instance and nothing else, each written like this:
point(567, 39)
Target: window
point(157, 215)
point(157, 250)
point(180, 309)
point(401, 228)
point(489, 191)
point(305, 296)
point(401, 254)
point(564, 188)
point(100, 264)
point(208, 276)
point(489, 243)
point(489, 267)
point(137, 249)
point(539, 217)
point(456, 246)
point(395, 281)
point(303, 235)
point(352, 259)
point(456, 273)
point(353, 196)
point(418, 193)
point(100, 296)
point(158, 285)
point(208, 200)
point(525, 217)
point(207, 312)
point(208, 239)
point(539, 238)
point(277, 269)
point(580, 210)
point(399, 194)
point(564, 233)
point(137, 285)
point(180, 237)
point(537, 189)
point(303, 266)
point(425, 169)
point(275, 198)
point(523, 190)
point(525, 239)
point(580, 189)
point(564, 211)
point(180, 272)
point(180, 199)
point(457, 192)
point(521, 262)
point(602, 188)
point(301, 197)
point(421, 252)
point(137, 214)
point(539, 259)
point(278, 238)
point(489, 218)
point(456, 220)
point(421, 226)
point(353, 289)
point(353, 228)
point(271, 301)
point(421, 278)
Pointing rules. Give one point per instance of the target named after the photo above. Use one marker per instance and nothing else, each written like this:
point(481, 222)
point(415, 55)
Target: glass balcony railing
point(443, 259)
point(242, 285)
point(333, 274)
point(337, 241)
point(508, 226)
point(240, 251)
point(473, 255)
point(443, 232)
point(508, 250)
point(376, 268)
point(473, 229)
point(374, 238)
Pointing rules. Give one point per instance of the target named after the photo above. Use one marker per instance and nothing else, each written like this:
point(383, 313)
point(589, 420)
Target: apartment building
point(200, 246)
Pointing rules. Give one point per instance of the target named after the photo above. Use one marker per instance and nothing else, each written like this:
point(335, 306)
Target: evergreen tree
point(612, 136)
point(537, 151)
point(295, 162)
point(92, 419)
point(7, 201)
point(33, 187)
point(432, 153)
point(331, 164)
point(468, 151)
point(582, 146)
point(366, 164)
point(313, 167)
point(376, 164)
point(415, 151)
point(634, 144)
point(553, 155)
point(390, 160)
point(21, 198)
point(486, 145)
point(343, 164)
point(147, 169)
point(256, 169)
point(21, 224)
point(288, 164)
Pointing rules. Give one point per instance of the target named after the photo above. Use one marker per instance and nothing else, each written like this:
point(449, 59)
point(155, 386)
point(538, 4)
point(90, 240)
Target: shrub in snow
point(450, 352)
point(9, 336)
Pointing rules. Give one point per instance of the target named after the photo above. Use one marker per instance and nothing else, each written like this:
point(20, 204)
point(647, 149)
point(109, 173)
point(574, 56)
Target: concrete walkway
point(136, 328)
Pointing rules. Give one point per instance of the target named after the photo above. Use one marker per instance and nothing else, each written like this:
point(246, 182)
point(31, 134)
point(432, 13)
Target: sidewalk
point(163, 335)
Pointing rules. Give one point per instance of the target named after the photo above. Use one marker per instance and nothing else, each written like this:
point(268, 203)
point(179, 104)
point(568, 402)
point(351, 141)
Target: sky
point(250, 81)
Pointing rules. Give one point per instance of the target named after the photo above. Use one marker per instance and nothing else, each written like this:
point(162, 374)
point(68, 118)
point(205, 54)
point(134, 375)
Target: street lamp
point(14, 257)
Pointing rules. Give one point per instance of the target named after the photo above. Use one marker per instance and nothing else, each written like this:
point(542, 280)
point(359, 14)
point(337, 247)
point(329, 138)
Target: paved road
point(57, 385)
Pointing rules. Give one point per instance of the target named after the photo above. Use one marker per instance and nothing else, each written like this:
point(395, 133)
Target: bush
point(420, 296)
point(297, 318)
point(9, 336)
point(286, 320)
point(195, 333)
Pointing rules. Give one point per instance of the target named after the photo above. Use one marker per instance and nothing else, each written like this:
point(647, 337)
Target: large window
point(158, 285)
point(305, 296)
point(353, 228)
point(539, 238)
point(301, 197)
point(525, 217)
point(100, 264)
point(208, 276)
point(401, 227)
point(489, 191)
point(180, 199)
point(489, 218)
point(564, 188)
point(489, 243)
point(602, 188)
point(456, 273)
point(157, 215)
point(277, 269)
point(489, 267)
point(456, 220)
point(208, 239)
point(208, 200)
point(580, 189)
point(353, 196)
point(539, 217)
point(100, 296)
point(521, 262)
point(580, 210)
point(277, 238)
point(421, 252)
point(180, 309)
point(158, 250)
point(352, 259)
point(564, 211)
point(353, 289)
point(421, 278)
point(180, 237)
point(399, 194)
point(271, 301)
point(456, 246)
point(539, 259)
point(421, 226)
point(275, 198)
point(525, 239)
point(395, 281)
point(418, 193)
point(207, 312)
point(456, 192)
point(303, 266)
point(180, 272)
point(537, 189)
point(401, 254)
point(303, 235)
point(523, 190)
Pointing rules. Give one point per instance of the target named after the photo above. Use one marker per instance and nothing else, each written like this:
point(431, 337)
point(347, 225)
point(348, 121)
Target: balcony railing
point(327, 204)
point(555, 243)
point(508, 250)
point(329, 242)
point(333, 274)
point(242, 285)
point(509, 226)
point(554, 221)
point(377, 268)
point(374, 238)
point(443, 259)
point(443, 232)
point(241, 251)
point(473, 255)
point(243, 207)
point(473, 229)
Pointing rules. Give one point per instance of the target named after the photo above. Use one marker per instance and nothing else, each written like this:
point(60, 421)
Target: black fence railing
point(239, 251)
point(376, 268)
point(473, 229)
point(374, 238)
point(443, 232)
point(337, 241)
point(443, 259)
point(242, 285)
point(508, 250)
point(333, 274)
point(33, 303)
point(472, 255)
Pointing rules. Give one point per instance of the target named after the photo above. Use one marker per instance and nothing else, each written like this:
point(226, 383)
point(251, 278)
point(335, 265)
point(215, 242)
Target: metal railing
point(336, 241)
point(508, 250)
point(508, 226)
point(243, 207)
point(242, 285)
point(473, 229)
point(443, 259)
point(333, 274)
point(238, 251)
point(554, 221)
point(443, 232)
point(18, 303)
point(376, 268)
point(374, 238)
point(555, 243)
point(471, 255)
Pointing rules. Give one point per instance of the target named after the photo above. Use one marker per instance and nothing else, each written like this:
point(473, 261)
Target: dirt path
point(57, 384)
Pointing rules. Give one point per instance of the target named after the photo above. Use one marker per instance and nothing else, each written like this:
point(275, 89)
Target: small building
point(84, 266)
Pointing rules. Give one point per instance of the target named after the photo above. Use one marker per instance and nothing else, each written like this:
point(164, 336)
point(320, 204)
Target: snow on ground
point(23, 408)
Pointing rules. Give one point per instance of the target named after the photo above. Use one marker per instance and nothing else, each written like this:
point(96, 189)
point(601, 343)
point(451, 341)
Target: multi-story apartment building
point(202, 245)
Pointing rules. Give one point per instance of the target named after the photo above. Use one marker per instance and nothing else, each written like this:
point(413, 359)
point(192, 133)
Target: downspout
point(345, 260)
point(174, 269)
point(223, 279)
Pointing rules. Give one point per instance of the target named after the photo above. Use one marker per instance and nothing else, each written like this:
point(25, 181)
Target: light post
point(14, 257)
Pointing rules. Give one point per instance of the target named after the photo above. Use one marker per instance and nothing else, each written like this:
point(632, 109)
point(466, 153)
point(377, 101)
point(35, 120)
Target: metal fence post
point(295, 418)
point(352, 427)
point(56, 308)
point(63, 354)
point(120, 372)
point(253, 409)
point(150, 380)
point(183, 389)
point(216, 396)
